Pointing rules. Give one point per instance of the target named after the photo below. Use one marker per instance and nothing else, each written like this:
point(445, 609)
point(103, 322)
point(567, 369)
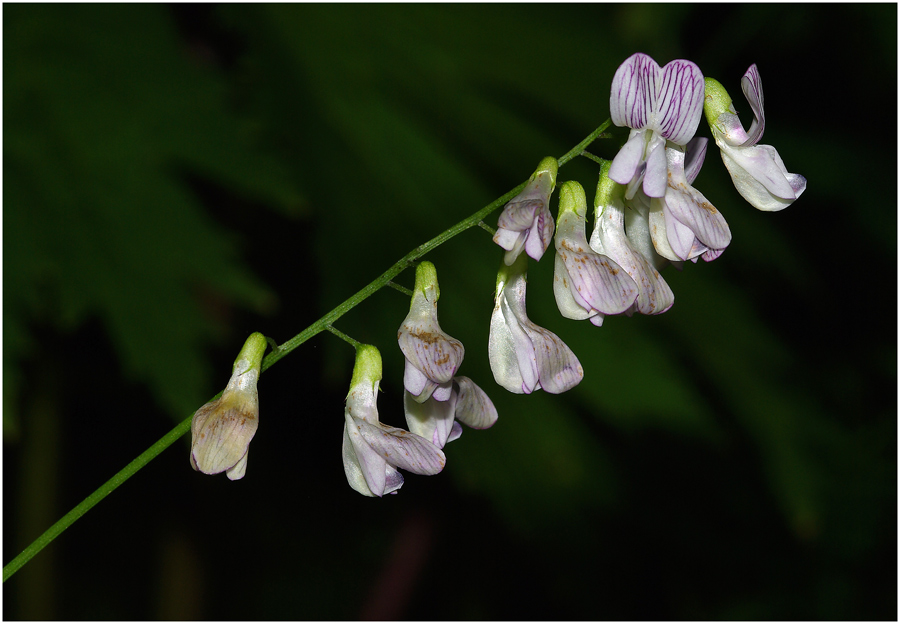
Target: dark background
point(177, 177)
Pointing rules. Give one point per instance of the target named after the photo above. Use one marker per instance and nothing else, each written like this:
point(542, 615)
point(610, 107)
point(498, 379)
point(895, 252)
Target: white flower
point(660, 105)
point(373, 451)
point(757, 171)
point(523, 356)
point(222, 429)
point(432, 355)
point(587, 283)
point(526, 222)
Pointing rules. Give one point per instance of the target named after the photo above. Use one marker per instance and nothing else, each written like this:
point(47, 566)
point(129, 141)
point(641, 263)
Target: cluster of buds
point(646, 214)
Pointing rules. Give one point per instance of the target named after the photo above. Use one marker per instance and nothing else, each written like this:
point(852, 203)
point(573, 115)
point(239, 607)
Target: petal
point(690, 207)
point(559, 369)
point(633, 94)
point(599, 281)
point(694, 155)
point(679, 103)
point(239, 469)
point(416, 383)
point(630, 156)
point(519, 215)
point(609, 238)
point(426, 346)
point(432, 420)
point(222, 432)
point(656, 175)
point(751, 84)
point(540, 235)
point(571, 305)
point(402, 449)
point(364, 469)
point(761, 178)
point(473, 407)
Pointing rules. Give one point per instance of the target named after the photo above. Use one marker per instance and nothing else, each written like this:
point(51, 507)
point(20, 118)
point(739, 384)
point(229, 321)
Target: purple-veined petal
point(473, 406)
point(632, 98)
point(599, 281)
point(559, 369)
point(365, 469)
point(540, 235)
point(751, 84)
point(679, 101)
point(694, 155)
point(401, 448)
point(594, 281)
point(690, 207)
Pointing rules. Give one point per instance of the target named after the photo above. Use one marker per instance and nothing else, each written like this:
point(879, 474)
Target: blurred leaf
point(105, 115)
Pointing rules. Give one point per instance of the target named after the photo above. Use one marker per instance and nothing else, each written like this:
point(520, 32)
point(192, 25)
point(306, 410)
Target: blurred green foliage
point(178, 177)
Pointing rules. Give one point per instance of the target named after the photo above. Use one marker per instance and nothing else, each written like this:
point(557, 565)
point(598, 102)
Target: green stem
point(277, 353)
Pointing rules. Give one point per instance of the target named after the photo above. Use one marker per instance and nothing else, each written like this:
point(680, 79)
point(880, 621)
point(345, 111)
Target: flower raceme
point(432, 355)
point(526, 223)
point(587, 284)
point(222, 429)
point(373, 451)
point(523, 356)
point(757, 171)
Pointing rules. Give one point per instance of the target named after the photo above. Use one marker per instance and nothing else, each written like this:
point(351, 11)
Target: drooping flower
point(222, 429)
point(523, 356)
point(432, 355)
point(609, 238)
point(526, 222)
point(587, 284)
point(373, 451)
point(683, 223)
point(438, 421)
point(659, 105)
point(757, 171)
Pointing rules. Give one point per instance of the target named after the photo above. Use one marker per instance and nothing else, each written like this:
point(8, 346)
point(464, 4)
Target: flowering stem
point(278, 352)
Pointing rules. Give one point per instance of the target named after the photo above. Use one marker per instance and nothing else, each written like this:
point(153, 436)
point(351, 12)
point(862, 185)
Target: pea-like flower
point(757, 171)
point(526, 222)
point(432, 355)
point(587, 284)
point(523, 356)
point(659, 105)
point(373, 451)
point(609, 238)
point(222, 429)
point(438, 421)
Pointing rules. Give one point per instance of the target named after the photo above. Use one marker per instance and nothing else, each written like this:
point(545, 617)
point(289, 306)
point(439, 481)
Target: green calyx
point(508, 273)
point(608, 190)
point(251, 355)
point(572, 199)
point(548, 165)
point(367, 368)
point(426, 278)
point(716, 101)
